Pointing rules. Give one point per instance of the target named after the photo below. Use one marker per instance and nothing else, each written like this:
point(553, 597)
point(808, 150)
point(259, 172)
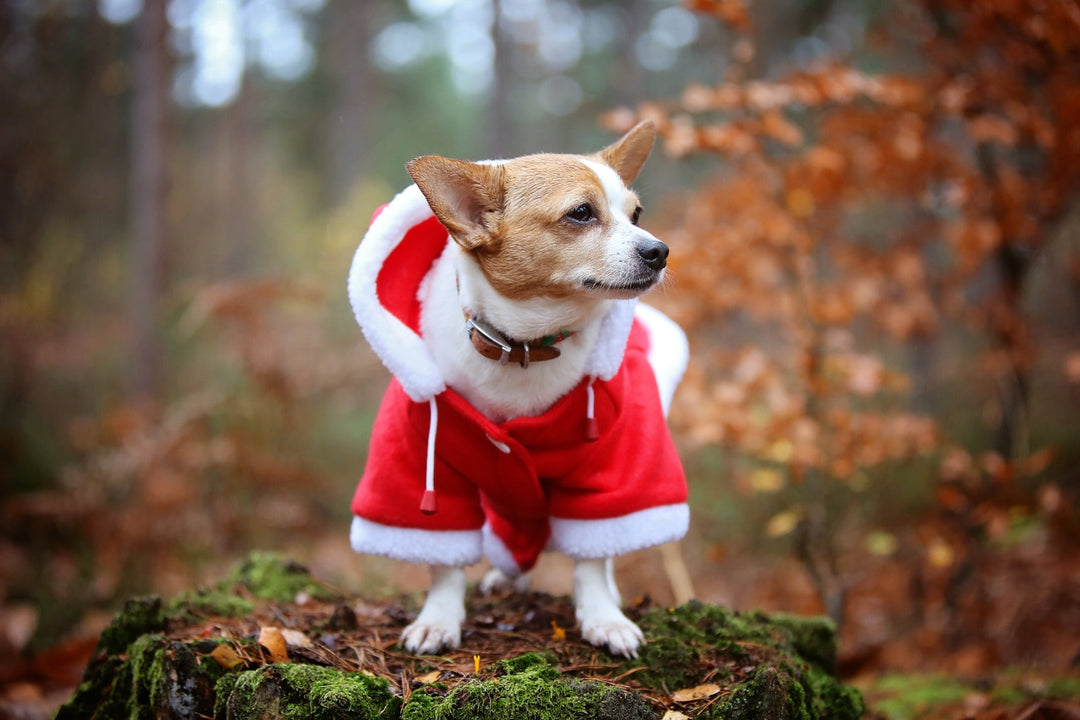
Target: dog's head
point(551, 225)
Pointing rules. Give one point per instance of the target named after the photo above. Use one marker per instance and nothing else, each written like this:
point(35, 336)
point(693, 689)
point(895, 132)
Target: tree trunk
point(500, 137)
point(350, 27)
point(148, 194)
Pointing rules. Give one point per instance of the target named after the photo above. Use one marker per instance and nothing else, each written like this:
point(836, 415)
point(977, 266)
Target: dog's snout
point(654, 253)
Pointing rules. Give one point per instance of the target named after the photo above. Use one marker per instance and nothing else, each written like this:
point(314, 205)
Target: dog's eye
point(636, 216)
point(582, 213)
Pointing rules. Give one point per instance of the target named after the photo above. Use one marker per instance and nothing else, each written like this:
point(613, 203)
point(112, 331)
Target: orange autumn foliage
point(853, 215)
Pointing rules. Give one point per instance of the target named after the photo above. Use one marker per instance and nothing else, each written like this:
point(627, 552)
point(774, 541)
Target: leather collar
point(492, 344)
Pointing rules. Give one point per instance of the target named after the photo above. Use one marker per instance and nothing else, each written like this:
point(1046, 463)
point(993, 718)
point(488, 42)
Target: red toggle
point(428, 506)
point(592, 430)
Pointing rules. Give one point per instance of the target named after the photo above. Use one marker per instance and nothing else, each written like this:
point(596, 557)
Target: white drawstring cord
point(428, 506)
point(592, 430)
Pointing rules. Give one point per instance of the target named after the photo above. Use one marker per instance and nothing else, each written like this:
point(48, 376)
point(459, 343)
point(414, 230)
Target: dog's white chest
point(500, 391)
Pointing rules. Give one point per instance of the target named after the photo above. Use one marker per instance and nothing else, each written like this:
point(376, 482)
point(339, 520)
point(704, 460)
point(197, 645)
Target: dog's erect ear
point(629, 153)
point(466, 197)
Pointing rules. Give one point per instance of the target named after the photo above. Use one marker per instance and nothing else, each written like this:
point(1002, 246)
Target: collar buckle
point(493, 345)
point(492, 337)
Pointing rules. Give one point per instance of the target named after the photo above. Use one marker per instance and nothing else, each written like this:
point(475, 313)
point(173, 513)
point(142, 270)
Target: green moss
point(911, 696)
point(153, 678)
point(271, 576)
point(772, 693)
point(114, 689)
point(521, 663)
point(223, 690)
point(534, 692)
point(677, 640)
point(303, 692)
point(138, 617)
point(907, 697)
point(423, 704)
point(813, 638)
point(794, 656)
point(829, 698)
point(189, 606)
point(1063, 688)
point(681, 642)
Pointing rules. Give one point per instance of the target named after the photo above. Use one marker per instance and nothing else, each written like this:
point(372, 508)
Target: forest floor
point(1002, 645)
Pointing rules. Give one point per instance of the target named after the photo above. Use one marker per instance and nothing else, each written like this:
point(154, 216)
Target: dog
point(529, 393)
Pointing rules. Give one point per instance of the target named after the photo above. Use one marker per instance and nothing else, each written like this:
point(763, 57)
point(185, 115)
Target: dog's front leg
point(597, 608)
point(438, 625)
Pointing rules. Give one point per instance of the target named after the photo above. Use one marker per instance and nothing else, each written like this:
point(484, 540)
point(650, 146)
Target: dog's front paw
point(613, 630)
point(430, 635)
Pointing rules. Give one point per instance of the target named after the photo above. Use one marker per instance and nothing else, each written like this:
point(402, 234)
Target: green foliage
point(907, 697)
point(918, 695)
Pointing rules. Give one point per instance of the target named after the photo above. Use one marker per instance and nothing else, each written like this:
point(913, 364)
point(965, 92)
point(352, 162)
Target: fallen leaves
point(429, 678)
point(675, 715)
point(273, 642)
point(277, 641)
point(698, 692)
point(225, 656)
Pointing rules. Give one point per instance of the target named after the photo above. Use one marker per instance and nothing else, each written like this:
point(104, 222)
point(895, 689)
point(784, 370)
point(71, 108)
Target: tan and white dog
point(518, 308)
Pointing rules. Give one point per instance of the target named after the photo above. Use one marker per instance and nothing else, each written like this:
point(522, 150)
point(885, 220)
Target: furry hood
point(404, 241)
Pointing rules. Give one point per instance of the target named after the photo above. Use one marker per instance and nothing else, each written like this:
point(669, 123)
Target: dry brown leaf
point(699, 692)
point(271, 639)
point(295, 638)
point(226, 657)
point(430, 677)
point(674, 715)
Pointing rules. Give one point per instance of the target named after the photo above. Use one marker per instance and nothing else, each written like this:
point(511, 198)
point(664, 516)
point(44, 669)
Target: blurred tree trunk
point(241, 175)
point(628, 76)
point(350, 27)
point(500, 140)
point(147, 196)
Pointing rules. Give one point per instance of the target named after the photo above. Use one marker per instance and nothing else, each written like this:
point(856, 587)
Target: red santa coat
point(510, 489)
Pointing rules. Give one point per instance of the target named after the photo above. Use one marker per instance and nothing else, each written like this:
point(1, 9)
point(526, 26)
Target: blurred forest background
point(872, 209)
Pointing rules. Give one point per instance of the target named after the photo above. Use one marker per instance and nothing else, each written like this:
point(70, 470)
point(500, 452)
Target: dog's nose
point(654, 253)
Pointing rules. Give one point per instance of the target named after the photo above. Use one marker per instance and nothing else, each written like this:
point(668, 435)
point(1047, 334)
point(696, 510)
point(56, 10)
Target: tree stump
point(271, 642)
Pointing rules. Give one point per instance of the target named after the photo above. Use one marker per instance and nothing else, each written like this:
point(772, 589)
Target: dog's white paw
point(495, 580)
point(430, 635)
point(613, 630)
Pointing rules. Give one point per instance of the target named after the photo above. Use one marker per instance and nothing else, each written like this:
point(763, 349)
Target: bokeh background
point(872, 210)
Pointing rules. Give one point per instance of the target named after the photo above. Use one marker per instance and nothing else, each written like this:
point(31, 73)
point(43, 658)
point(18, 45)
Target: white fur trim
point(669, 351)
point(498, 554)
point(400, 349)
point(433, 547)
point(590, 539)
point(607, 356)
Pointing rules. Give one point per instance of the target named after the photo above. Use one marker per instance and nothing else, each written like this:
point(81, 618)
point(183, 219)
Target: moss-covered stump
point(774, 666)
point(270, 642)
point(528, 687)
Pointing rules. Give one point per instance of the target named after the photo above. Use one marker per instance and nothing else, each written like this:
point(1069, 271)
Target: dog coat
point(595, 475)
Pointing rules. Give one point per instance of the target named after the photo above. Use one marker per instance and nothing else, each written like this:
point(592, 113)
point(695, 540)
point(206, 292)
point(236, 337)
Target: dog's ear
point(466, 197)
point(628, 154)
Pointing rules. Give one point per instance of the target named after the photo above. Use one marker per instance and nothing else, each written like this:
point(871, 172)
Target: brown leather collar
point(492, 344)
